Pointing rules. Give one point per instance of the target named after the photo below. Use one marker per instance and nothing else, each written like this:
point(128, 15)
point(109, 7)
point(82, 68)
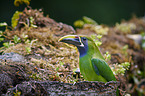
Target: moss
point(48, 59)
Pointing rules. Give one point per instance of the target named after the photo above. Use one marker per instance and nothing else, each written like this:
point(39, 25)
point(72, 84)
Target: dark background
point(67, 11)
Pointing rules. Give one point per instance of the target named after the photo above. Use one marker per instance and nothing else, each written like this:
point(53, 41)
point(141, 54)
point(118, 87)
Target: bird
point(92, 64)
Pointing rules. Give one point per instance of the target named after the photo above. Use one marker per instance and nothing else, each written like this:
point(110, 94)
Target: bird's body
point(91, 62)
point(86, 68)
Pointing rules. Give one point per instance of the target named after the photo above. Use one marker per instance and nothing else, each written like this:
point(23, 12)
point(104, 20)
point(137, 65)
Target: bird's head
point(81, 42)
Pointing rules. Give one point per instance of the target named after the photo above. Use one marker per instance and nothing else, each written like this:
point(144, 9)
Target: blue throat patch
point(83, 50)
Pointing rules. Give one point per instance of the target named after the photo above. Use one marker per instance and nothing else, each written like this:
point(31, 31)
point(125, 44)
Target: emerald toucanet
point(91, 62)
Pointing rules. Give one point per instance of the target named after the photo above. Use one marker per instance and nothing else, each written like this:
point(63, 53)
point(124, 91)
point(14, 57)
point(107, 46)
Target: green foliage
point(124, 50)
point(29, 43)
point(88, 23)
point(125, 65)
point(88, 20)
point(121, 68)
point(125, 47)
point(8, 44)
point(143, 41)
point(57, 68)
point(31, 22)
point(15, 18)
point(125, 27)
point(75, 69)
point(99, 29)
point(16, 39)
point(61, 63)
point(1, 39)
point(107, 56)
point(99, 36)
point(1, 34)
point(25, 37)
point(3, 24)
point(28, 50)
point(57, 75)
point(35, 76)
point(18, 2)
point(79, 23)
point(18, 93)
point(96, 39)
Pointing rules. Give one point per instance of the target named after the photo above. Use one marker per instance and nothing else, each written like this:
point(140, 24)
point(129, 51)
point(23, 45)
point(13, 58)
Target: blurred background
point(67, 11)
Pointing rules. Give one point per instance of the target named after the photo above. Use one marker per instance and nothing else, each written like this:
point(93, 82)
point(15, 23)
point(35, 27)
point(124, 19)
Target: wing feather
point(102, 68)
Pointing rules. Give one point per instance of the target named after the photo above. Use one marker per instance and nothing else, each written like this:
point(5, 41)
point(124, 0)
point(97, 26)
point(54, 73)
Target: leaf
point(34, 26)
point(6, 44)
point(16, 39)
point(3, 24)
point(79, 23)
point(28, 49)
point(1, 33)
point(88, 20)
point(61, 63)
point(15, 19)
point(32, 21)
point(1, 39)
point(57, 68)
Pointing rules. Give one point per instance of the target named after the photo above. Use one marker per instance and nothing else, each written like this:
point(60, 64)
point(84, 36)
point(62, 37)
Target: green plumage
point(92, 65)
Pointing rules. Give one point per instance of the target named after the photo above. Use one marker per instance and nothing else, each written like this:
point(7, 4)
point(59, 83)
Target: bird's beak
point(72, 39)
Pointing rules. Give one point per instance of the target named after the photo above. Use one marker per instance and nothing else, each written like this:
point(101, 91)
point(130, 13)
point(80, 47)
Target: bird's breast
point(86, 68)
point(88, 71)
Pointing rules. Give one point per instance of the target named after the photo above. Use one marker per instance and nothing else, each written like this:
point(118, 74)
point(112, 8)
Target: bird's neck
point(83, 50)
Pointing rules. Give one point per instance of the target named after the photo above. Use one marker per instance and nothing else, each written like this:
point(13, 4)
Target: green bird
point(91, 62)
